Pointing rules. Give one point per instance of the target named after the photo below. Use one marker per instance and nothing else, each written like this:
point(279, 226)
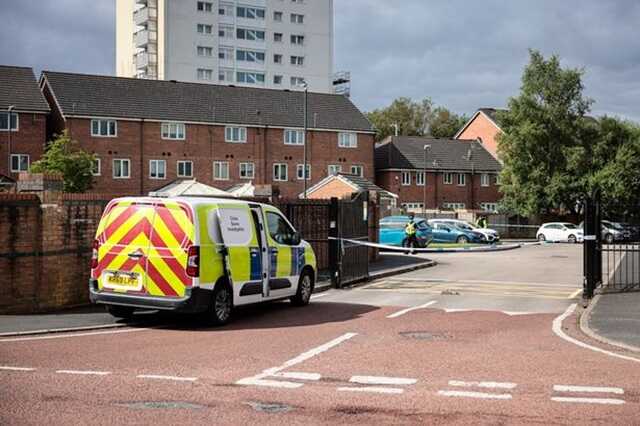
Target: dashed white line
point(480, 395)
point(84, 372)
point(588, 389)
point(413, 308)
point(10, 368)
point(255, 381)
point(298, 375)
point(315, 296)
point(380, 380)
point(372, 389)
point(174, 378)
point(492, 385)
point(611, 401)
point(62, 336)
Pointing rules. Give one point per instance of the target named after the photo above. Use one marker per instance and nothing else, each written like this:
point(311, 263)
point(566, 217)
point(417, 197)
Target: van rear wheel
point(305, 288)
point(219, 312)
point(122, 312)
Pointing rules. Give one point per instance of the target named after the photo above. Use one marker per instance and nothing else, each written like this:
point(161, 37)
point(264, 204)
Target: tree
point(62, 155)
point(445, 124)
point(546, 139)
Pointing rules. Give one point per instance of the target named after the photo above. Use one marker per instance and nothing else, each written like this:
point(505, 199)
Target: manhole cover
point(270, 407)
point(425, 335)
point(152, 405)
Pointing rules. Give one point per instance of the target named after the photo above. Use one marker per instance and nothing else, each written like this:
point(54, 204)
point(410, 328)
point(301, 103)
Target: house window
point(19, 163)
point(300, 168)
point(4, 121)
point(334, 169)
point(347, 140)
point(462, 179)
point(185, 169)
point(280, 172)
point(235, 134)
point(205, 6)
point(121, 168)
point(412, 206)
point(420, 178)
point(157, 169)
point(247, 170)
point(293, 137)
point(297, 39)
point(225, 9)
point(277, 59)
point(96, 167)
point(447, 178)
point(277, 37)
point(225, 31)
point(205, 74)
point(205, 29)
point(484, 179)
point(173, 131)
point(297, 1)
point(205, 51)
point(297, 60)
point(104, 128)
point(277, 16)
point(453, 206)
point(250, 12)
point(296, 18)
point(225, 75)
point(297, 81)
point(277, 79)
point(249, 56)
point(489, 207)
point(406, 178)
point(498, 179)
point(250, 77)
point(357, 170)
point(225, 53)
point(248, 34)
point(221, 170)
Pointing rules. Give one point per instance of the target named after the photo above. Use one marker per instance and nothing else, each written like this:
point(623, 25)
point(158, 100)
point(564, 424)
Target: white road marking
point(298, 376)
point(10, 368)
point(62, 336)
point(174, 378)
point(481, 395)
point(413, 308)
point(587, 389)
point(375, 380)
point(557, 329)
point(492, 385)
point(86, 372)
point(372, 389)
point(574, 294)
point(612, 401)
point(315, 296)
point(450, 311)
point(258, 380)
point(513, 314)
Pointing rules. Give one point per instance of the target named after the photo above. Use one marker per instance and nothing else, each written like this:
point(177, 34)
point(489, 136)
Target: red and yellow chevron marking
point(163, 232)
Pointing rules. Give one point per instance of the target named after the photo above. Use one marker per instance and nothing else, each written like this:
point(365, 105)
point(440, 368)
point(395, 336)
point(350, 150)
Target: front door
point(286, 257)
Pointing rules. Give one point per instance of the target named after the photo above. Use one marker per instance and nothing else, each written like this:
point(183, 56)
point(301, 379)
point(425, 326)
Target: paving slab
point(616, 317)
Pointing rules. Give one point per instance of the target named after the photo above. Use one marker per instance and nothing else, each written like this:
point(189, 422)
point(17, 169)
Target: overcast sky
point(463, 54)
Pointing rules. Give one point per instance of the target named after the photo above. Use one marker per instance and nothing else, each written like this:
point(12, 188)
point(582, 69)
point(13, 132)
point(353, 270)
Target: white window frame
point(347, 140)
point(225, 53)
point(288, 138)
point(405, 178)
point(227, 7)
point(461, 179)
point(251, 77)
point(484, 179)
point(454, 206)
point(243, 169)
point(334, 169)
point(19, 157)
point(277, 80)
point(166, 127)
point(251, 12)
point(296, 61)
point(98, 162)
point(229, 135)
point(184, 162)
point(222, 165)
point(299, 171)
point(207, 6)
point(277, 58)
point(278, 37)
point(297, 18)
point(157, 164)
point(13, 114)
point(247, 31)
point(226, 32)
point(297, 39)
point(447, 178)
point(204, 74)
point(276, 176)
point(204, 51)
point(412, 206)
point(225, 74)
point(204, 28)
point(359, 170)
point(122, 161)
point(277, 16)
point(108, 123)
point(420, 178)
point(489, 207)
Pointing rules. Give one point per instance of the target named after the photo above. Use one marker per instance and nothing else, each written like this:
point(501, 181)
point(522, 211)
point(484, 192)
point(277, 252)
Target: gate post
point(592, 256)
point(334, 243)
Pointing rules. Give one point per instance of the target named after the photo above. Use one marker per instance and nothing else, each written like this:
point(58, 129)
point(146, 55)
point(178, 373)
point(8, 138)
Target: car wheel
point(609, 238)
point(123, 312)
point(462, 239)
point(219, 312)
point(305, 288)
point(542, 238)
point(572, 239)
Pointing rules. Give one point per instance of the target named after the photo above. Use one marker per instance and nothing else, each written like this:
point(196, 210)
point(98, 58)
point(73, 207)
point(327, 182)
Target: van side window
point(279, 229)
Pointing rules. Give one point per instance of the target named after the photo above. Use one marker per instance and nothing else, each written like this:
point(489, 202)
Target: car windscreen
point(422, 225)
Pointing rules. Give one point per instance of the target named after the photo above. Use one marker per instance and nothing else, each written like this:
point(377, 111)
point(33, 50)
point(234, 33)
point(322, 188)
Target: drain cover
point(425, 335)
point(269, 407)
point(151, 405)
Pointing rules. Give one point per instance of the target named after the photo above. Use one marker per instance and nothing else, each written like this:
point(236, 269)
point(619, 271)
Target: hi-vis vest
point(410, 229)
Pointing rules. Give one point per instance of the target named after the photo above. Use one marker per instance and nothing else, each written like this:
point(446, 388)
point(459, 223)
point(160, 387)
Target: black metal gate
point(611, 252)
point(348, 219)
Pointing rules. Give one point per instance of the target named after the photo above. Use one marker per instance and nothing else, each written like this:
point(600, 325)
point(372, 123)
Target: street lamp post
point(304, 139)
point(10, 109)
point(424, 181)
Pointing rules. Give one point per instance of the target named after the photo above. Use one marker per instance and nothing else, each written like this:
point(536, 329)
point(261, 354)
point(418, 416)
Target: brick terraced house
point(460, 174)
point(147, 133)
point(25, 135)
point(482, 126)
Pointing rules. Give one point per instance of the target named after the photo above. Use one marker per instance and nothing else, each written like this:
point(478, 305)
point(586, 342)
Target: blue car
point(392, 230)
point(448, 233)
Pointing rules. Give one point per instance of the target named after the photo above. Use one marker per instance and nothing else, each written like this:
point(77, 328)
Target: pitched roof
point(19, 87)
point(405, 152)
point(360, 184)
point(95, 95)
point(490, 113)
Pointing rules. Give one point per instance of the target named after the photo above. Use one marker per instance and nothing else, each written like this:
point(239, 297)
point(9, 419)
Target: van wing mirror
point(296, 239)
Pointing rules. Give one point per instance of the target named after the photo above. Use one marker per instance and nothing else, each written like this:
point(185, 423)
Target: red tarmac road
point(435, 367)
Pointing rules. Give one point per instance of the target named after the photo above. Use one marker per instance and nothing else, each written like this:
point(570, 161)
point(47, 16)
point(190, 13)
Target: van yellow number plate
point(122, 281)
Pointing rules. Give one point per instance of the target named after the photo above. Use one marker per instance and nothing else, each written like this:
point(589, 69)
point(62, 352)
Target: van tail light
point(94, 254)
point(193, 261)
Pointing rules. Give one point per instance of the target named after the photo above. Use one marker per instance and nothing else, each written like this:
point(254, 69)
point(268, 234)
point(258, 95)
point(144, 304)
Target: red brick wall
point(439, 193)
point(484, 129)
point(205, 144)
point(28, 139)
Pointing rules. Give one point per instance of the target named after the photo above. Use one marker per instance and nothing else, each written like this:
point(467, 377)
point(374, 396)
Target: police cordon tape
point(476, 249)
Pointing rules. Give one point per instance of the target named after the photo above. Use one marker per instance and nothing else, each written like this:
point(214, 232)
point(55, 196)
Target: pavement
point(615, 318)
